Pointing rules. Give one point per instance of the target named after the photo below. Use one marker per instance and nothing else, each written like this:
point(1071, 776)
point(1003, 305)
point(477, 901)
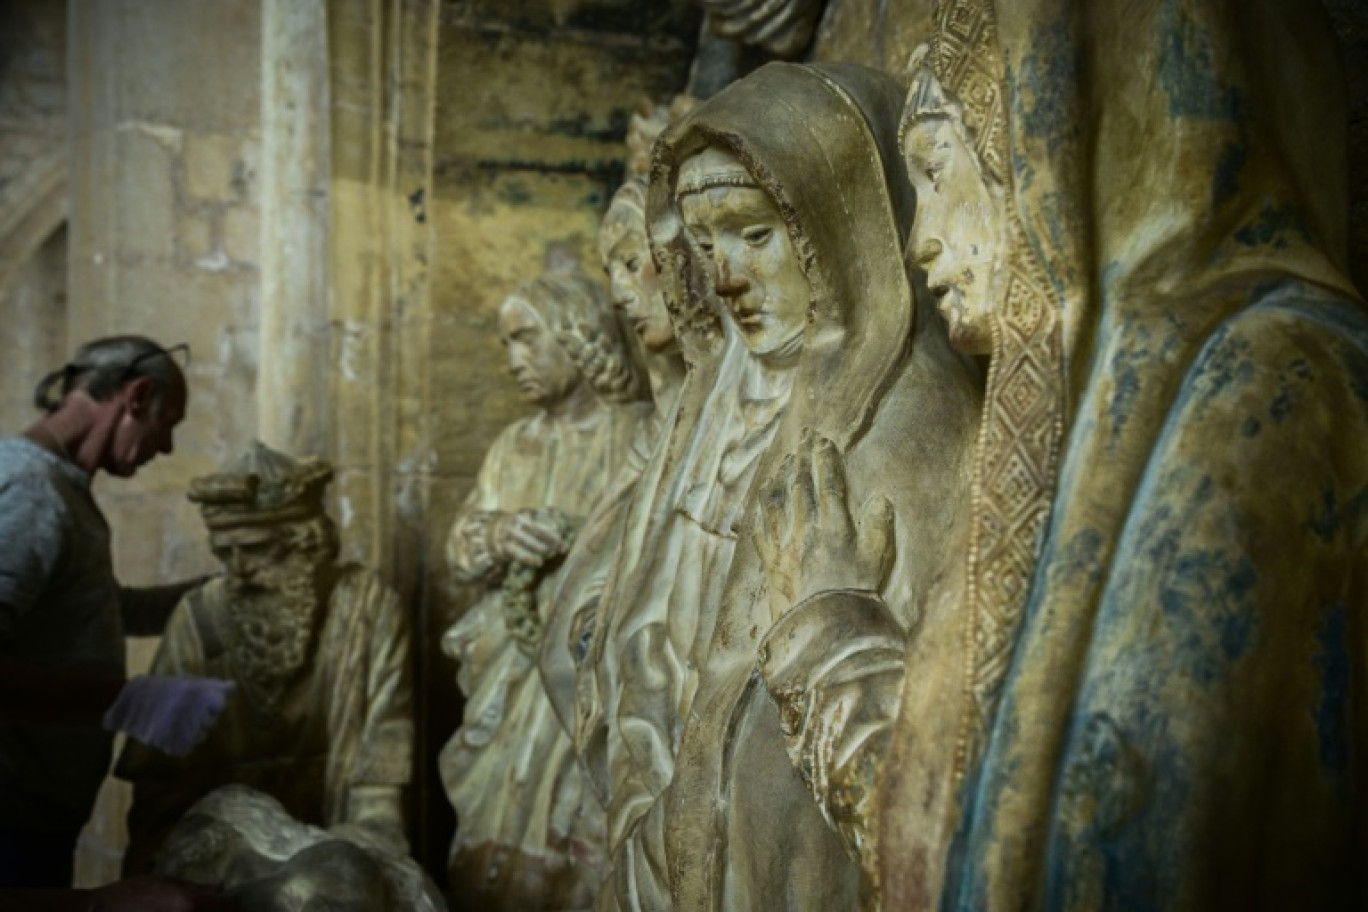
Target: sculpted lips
point(751, 321)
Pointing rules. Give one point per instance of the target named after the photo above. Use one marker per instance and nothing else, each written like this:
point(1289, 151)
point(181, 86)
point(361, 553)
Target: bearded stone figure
point(783, 196)
point(321, 718)
point(509, 770)
point(1143, 687)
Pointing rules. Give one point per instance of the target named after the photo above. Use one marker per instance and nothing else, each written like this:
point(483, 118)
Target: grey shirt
point(59, 610)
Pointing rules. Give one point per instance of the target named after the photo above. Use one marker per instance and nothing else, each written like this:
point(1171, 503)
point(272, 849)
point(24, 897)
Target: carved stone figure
point(636, 294)
point(509, 770)
point(779, 189)
point(782, 27)
point(321, 718)
point(1138, 691)
point(245, 842)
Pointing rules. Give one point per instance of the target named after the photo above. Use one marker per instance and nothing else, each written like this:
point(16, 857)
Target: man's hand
point(530, 537)
point(808, 541)
point(172, 713)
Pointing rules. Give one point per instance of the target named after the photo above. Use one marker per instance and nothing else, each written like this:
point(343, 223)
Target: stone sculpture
point(509, 770)
point(785, 190)
point(784, 28)
point(1138, 690)
point(321, 718)
point(245, 842)
point(636, 294)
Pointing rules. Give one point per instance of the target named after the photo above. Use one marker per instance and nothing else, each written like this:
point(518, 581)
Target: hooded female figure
point(786, 188)
point(1149, 692)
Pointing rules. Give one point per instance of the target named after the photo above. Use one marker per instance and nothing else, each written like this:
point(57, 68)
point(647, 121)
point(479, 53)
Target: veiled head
point(814, 148)
point(959, 233)
point(634, 285)
point(738, 229)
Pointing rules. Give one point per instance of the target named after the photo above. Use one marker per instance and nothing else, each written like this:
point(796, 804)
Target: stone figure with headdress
point(321, 718)
point(509, 770)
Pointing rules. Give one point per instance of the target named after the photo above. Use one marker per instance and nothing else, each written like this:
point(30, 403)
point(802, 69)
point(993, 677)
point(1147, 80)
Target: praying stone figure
point(321, 718)
point(1143, 686)
point(509, 770)
point(785, 192)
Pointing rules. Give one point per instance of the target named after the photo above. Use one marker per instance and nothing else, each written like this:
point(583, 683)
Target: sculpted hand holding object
point(508, 770)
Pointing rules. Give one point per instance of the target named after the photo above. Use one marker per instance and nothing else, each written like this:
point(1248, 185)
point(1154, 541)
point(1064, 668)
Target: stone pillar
point(292, 385)
point(383, 61)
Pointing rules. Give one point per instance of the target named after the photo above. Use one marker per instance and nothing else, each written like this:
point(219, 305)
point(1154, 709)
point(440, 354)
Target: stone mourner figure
point(603, 542)
point(509, 770)
point(1143, 688)
point(785, 191)
point(321, 718)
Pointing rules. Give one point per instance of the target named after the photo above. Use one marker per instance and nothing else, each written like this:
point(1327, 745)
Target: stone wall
point(164, 121)
point(33, 159)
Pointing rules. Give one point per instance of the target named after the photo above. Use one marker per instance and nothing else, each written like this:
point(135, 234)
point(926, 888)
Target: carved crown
point(264, 487)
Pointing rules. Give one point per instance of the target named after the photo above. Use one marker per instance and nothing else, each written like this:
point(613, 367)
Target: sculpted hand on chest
point(748, 251)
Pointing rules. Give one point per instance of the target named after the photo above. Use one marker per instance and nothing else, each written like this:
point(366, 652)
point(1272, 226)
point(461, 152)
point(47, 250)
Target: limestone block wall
point(33, 341)
point(33, 158)
point(164, 126)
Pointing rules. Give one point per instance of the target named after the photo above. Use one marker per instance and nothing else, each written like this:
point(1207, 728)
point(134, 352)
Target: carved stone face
point(636, 291)
point(750, 255)
point(275, 589)
point(958, 235)
point(540, 366)
point(252, 557)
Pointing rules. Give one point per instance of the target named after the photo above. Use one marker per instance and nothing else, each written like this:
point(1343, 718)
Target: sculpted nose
point(927, 252)
point(617, 288)
point(728, 283)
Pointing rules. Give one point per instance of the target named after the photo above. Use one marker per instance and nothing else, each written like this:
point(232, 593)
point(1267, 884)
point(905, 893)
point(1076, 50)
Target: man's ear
point(139, 394)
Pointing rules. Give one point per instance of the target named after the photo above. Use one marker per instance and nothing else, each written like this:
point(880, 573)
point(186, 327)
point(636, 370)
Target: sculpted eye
point(634, 264)
point(757, 234)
